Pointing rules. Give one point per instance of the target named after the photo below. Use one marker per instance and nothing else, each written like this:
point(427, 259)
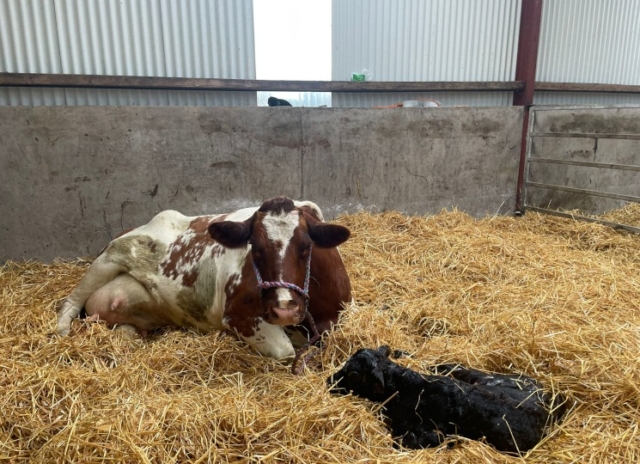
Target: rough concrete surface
point(71, 178)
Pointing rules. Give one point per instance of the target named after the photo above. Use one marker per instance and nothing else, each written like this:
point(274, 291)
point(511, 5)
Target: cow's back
point(164, 228)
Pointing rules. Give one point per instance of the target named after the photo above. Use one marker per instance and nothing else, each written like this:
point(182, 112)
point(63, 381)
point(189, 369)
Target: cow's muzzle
point(285, 313)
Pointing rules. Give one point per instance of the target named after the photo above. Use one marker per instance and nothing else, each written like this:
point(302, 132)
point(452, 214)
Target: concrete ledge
point(71, 178)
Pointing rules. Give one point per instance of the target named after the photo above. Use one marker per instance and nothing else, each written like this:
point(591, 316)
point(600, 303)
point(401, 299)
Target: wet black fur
point(509, 411)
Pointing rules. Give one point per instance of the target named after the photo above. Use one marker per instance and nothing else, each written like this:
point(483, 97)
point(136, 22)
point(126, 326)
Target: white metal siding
point(586, 98)
point(166, 38)
point(426, 40)
point(367, 100)
point(589, 41)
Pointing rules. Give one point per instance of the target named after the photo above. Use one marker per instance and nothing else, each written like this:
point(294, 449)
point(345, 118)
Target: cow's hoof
point(63, 331)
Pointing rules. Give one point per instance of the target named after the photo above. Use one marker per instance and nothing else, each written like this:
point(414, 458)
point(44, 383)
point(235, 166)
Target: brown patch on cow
point(189, 278)
point(189, 248)
point(243, 310)
point(329, 288)
point(278, 205)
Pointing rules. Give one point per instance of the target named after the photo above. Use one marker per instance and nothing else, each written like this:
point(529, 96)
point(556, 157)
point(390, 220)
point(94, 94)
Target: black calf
point(509, 411)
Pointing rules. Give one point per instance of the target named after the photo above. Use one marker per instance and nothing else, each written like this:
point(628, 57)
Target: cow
point(256, 272)
point(511, 412)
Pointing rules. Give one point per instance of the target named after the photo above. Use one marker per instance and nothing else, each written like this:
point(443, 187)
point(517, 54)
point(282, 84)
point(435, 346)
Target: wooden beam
point(181, 83)
point(578, 87)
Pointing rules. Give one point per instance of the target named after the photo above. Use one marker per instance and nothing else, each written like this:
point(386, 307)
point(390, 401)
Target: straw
point(552, 298)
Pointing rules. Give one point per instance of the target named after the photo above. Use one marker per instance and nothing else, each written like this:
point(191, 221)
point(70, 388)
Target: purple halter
point(304, 292)
point(296, 369)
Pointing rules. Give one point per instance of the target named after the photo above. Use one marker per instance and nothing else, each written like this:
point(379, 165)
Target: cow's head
point(281, 235)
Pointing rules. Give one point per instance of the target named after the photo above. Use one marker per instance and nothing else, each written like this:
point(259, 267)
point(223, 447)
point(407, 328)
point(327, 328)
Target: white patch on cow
point(310, 204)
point(280, 228)
point(283, 294)
point(186, 237)
point(234, 281)
point(270, 340)
point(165, 226)
point(241, 214)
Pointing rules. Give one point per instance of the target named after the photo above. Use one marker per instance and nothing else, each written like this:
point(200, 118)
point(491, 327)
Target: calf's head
point(280, 236)
point(363, 374)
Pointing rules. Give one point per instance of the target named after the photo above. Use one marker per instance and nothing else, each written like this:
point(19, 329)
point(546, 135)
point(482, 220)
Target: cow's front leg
point(268, 339)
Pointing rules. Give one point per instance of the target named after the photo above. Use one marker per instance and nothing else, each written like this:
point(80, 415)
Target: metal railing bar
point(597, 193)
point(577, 135)
point(614, 225)
point(591, 164)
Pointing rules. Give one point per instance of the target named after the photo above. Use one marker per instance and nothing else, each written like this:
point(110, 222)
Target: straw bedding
point(555, 299)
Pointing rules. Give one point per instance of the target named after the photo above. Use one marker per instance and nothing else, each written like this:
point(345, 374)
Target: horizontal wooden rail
point(596, 193)
point(615, 225)
point(579, 87)
point(183, 83)
point(590, 164)
point(252, 85)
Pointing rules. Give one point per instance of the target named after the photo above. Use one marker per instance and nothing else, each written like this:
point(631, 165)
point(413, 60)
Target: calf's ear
point(384, 350)
point(231, 234)
point(326, 235)
point(378, 381)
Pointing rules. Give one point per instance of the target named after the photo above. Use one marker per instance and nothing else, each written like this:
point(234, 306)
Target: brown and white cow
point(254, 272)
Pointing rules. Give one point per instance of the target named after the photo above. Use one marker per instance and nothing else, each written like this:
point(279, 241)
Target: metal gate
point(583, 161)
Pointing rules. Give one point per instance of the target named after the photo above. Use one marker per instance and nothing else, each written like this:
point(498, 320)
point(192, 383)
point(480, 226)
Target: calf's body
point(510, 412)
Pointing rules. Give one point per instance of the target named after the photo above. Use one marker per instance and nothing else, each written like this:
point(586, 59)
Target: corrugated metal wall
point(426, 40)
point(594, 41)
point(166, 38)
point(589, 41)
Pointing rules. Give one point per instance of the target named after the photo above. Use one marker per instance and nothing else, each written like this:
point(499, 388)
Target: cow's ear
point(326, 235)
point(231, 234)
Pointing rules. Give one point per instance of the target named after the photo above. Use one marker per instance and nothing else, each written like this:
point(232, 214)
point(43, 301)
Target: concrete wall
point(601, 135)
point(73, 178)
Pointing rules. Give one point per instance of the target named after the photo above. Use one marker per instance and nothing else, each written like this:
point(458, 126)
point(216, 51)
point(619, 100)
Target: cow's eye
point(255, 253)
point(304, 251)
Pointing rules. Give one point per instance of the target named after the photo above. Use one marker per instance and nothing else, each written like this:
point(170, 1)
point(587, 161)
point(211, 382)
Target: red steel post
point(530, 20)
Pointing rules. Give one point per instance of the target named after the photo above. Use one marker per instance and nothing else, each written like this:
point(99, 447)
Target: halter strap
point(264, 285)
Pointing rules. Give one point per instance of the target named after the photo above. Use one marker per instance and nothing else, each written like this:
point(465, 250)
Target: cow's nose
point(285, 312)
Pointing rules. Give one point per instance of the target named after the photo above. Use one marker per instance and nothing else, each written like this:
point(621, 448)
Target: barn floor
point(555, 299)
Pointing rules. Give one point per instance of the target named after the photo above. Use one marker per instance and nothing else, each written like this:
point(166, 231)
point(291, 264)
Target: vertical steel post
point(530, 20)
